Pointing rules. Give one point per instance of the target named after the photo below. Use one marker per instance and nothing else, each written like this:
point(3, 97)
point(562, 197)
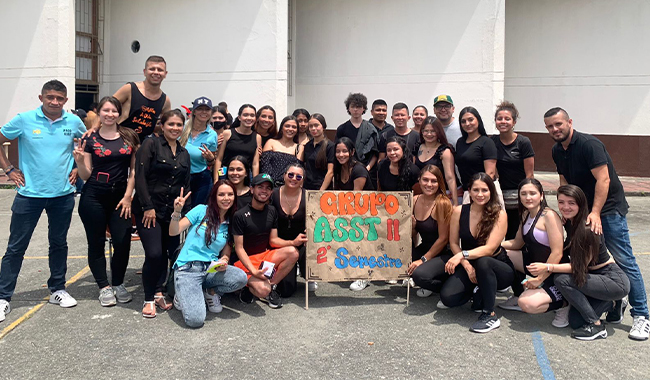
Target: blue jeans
point(190, 280)
point(617, 240)
point(200, 184)
point(25, 214)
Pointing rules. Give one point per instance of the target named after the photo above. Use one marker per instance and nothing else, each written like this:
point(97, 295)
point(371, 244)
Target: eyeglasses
point(445, 106)
point(291, 175)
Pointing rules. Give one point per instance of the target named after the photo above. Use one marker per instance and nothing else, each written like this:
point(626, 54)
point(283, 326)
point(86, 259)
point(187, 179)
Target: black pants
point(513, 223)
point(491, 274)
point(288, 285)
point(97, 211)
point(430, 275)
point(595, 296)
point(158, 248)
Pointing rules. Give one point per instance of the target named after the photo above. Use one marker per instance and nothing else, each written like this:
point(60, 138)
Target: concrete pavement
point(343, 335)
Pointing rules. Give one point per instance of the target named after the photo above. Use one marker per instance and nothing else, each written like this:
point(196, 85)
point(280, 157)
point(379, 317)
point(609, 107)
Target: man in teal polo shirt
point(45, 182)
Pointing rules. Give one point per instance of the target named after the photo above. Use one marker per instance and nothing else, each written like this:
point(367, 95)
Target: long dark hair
point(473, 111)
point(442, 202)
point(404, 169)
point(280, 134)
point(127, 134)
point(542, 204)
point(490, 211)
point(321, 157)
point(212, 218)
point(351, 162)
point(247, 167)
point(438, 128)
point(583, 244)
point(274, 128)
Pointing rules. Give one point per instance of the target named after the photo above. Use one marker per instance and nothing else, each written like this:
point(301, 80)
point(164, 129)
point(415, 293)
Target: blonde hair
point(187, 129)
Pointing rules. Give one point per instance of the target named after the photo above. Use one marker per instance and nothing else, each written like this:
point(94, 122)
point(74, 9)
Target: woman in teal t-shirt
point(206, 248)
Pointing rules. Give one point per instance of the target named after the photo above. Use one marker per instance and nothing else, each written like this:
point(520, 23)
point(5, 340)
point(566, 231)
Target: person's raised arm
point(256, 157)
point(178, 224)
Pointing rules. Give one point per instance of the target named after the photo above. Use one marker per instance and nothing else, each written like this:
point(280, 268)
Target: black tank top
point(436, 160)
point(144, 112)
point(428, 230)
point(238, 144)
point(467, 240)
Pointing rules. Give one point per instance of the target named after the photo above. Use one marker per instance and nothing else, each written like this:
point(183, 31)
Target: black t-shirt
point(358, 171)
point(112, 157)
point(289, 226)
point(314, 176)
point(390, 182)
point(412, 139)
point(255, 226)
point(347, 130)
point(603, 254)
point(470, 157)
point(586, 152)
point(244, 200)
point(510, 160)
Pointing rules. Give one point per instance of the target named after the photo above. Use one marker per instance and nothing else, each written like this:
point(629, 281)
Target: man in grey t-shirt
point(443, 107)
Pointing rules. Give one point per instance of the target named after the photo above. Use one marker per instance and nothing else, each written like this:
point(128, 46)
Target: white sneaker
point(213, 301)
point(4, 309)
point(391, 282)
point(561, 317)
point(441, 305)
point(424, 293)
point(63, 299)
point(177, 303)
point(505, 290)
point(359, 285)
point(405, 283)
point(640, 328)
point(312, 286)
point(511, 304)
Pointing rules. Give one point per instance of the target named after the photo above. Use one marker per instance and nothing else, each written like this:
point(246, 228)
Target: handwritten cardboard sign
point(355, 235)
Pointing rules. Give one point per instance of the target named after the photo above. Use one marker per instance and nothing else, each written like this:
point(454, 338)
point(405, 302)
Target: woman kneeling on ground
point(479, 227)
point(431, 214)
point(592, 282)
point(538, 242)
point(206, 246)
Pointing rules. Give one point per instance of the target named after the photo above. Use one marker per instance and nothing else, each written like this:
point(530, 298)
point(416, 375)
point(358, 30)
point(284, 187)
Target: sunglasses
point(298, 176)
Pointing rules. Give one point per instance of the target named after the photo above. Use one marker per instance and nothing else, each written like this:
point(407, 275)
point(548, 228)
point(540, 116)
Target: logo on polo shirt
point(67, 132)
point(36, 131)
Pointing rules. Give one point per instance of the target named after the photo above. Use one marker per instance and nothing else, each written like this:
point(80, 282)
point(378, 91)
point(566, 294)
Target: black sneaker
point(245, 296)
point(615, 315)
point(486, 322)
point(590, 332)
point(273, 299)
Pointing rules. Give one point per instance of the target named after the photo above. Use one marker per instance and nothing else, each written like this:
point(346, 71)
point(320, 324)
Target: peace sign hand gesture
point(79, 150)
point(179, 203)
point(207, 155)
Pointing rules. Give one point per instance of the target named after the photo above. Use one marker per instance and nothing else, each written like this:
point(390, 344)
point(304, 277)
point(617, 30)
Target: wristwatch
point(466, 254)
point(9, 169)
point(424, 259)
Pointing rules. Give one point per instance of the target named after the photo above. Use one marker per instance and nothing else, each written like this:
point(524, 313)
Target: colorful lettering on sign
point(346, 230)
point(342, 261)
point(349, 203)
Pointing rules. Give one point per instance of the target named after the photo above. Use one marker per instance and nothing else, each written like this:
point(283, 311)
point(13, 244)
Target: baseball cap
point(443, 98)
point(201, 101)
point(81, 113)
point(261, 178)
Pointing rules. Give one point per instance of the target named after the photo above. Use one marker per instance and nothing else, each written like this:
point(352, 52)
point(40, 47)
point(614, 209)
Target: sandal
point(148, 315)
point(161, 302)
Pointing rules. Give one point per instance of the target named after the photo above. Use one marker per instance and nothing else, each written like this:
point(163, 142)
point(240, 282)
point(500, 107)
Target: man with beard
point(255, 230)
point(582, 160)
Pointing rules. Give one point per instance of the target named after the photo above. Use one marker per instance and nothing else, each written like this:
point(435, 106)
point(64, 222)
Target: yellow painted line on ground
point(36, 308)
point(73, 257)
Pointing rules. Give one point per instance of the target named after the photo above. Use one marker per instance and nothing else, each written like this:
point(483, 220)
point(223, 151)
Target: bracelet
point(9, 169)
point(548, 268)
point(176, 216)
point(552, 268)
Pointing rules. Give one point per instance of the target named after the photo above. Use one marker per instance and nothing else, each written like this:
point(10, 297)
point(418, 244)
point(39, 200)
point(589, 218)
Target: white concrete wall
point(37, 46)
point(409, 51)
point(589, 57)
point(226, 50)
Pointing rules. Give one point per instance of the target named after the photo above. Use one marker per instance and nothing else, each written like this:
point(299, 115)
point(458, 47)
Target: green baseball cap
point(443, 98)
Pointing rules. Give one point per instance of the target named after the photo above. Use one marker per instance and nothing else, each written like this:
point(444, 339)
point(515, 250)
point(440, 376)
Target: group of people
point(480, 220)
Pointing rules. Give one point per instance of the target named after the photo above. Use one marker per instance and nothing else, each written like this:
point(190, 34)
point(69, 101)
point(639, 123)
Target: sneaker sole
point(108, 304)
point(600, 335)
point(496, 325)
point(559, 326)
point(511, 308)
point(271, 305)
point(63, 306)
point(124, 301)
point(639, 339)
